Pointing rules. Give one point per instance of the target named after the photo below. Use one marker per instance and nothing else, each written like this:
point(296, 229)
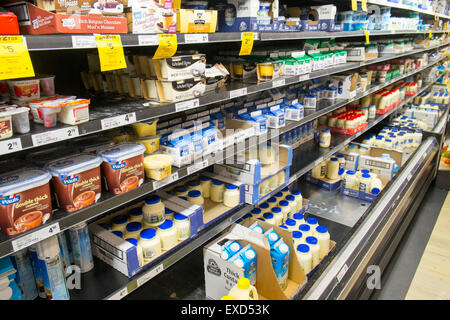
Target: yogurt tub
point(74, 111)
point(6, 128)
point(49, 111)
point(158, 166)
point(123, 166)
point(25, 200)
point(151, 143)
point(24, 89)
point(47, 85)
point(145, 129)
point(20, 119)
point(76, 181)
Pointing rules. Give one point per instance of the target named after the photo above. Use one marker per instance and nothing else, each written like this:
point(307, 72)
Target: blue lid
point(122, 151)
point(217, 183)
point(179, 217)
point(375, 191)
point(74, 164)
point(268, 215)
point(283, 226)
point(276, 210)
point(321, 229)
point(264, 205)
point(136, 212)
point(231, 187)
point(167, 211)
point(194, 194)
point(388, 140)
point(340, 156)
point(284, 203)
point(166, 224)
point(184, 198)
point(341, 171)
point(303, 248)
point(193, 183)
point(311, 220)
point(272, 199)
point(180, 189)
point(256, 211)
point(285, 189)
point(311, 240)
point(290, 197)
point(246, 216)
point(154, 199)
point(148, 233)
point(334, 159)
point(304, 227)
point(290, 222)
point(118, 233)
point(298, 216)
point(133, 226)
point(23, 179)
point(350, 172)
point(278, 195)
point(120, 219)
point(205, 178)
point(296, 192)
point(261, 219)
point(133, 241)
point(297, 234)
point(366, 175)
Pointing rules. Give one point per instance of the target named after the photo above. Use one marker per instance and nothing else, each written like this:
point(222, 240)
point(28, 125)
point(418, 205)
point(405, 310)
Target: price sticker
point(158, 184)
point(197, 166)
point(149, 275)
point(118, 121)
point(53, 136)
point(167, 46)
point(364, 5)
point(35, 237)
point(430, 35)
point(354, 5)
point(304, 77)
point(79, 42)
point(247, 43)
point(110, 52)
point(238, 93)
point(15, 58)
point(186, 105)
point(342, 273)
point(119, 295)
point(148, 39)
point(11, 145)
point(196, 38)
point(366, 32)
point(279, 83)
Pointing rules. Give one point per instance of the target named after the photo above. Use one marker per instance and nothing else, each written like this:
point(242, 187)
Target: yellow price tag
point(354, 5)
point(367, 36)
point(364, 5)
point(430, 35)
point(110, 52)
point(167, 46)
point(247, 44)
point(15, 58)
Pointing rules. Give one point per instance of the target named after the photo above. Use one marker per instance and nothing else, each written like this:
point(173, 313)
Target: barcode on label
point(238, 93)
point(196, 167)
point(158, 184)
point(151, 274)
point(54, 136)
point(84, 42)
point(11, 145)
point(342, 272)
point(196, 38)
point(36, 236)
point(118, 121)
point(304, 77)
point(148, 40)
point(186, 105)
point(278, 83)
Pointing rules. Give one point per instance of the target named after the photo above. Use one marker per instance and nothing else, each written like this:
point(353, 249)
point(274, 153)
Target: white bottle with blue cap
point(323, 238)
point(313, 244)
point(313, 223)
point(304, 258)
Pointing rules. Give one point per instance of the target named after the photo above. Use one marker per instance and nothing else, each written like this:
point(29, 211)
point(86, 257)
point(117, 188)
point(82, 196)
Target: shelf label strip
point(11, 145)
point(41, 139)
point(186, 105)
point(118, 121)
point(35, 237)
point(196, 37)
point(158, 184)
point(149, 275)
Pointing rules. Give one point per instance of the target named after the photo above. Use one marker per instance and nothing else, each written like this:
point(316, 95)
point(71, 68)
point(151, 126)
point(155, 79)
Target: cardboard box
point(252, 171)
point(252, 195)
point(346, 84)
point(325, 183)
point(8, 24)
point(196, 21)
point(222, 275)
point(147, 16)
point(351, 159)
point(105, 7)
point(122, 255)
point(34, 20)
point(211, 211)
point(362, 195)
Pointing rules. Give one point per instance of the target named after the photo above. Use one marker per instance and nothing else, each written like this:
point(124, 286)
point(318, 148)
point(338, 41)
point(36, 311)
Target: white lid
point(122, 151)
point(283, 248)
point(22, 179)
point(74, 164)
point(250, 254)
point(239, 262)
point(273, 236)
point(225, 255)
point(235, 247)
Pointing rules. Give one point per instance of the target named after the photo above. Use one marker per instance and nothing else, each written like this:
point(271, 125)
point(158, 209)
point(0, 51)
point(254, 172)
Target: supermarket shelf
point(405, 7)
point(107, 112)
point(87, 41)
point(107, 283)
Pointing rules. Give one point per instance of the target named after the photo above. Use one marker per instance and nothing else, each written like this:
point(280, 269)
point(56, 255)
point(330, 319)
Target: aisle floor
point(401, 270)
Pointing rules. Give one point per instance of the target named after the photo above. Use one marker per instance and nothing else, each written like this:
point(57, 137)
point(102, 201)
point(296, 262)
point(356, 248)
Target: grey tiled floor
point(402, 267)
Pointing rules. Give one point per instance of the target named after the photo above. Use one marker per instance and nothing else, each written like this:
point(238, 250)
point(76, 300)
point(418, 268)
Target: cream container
point(183, 226)
point(133, 230)
point(168, 235)
point(195, 197)
point(194, 185)
point(217, 191)
point(205, 183)
point(139, 251)
point(298, 199)
point(158, 166)
point(119, 223)
point(231, 196)
point(150, 243)
point(323, 238)
point(153, 211)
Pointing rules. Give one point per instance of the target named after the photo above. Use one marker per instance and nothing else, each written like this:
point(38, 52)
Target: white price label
point(84, 42)
point(197, 166)
point(196, 38)
point(186, 105)
point(119, 295)
point(36, 236)
point(54, 136)
point(238, 93)
point(118, 121)
point(255, 35)
point(158, 184)
point(278, 83)
point(148, 40)
point(409, 176)
point(342, 272)
point(304, 77)
point(11, 145)
point(149, 275)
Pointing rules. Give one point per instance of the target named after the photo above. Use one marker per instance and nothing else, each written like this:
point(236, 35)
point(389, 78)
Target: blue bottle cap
point(154, 199)
point(148, 233)
point(290, 222)
point(133, 241)
point(312, 220)
point(118, 233)
point(298, 216)
point(284, 203)
point(194, 194)
point(303, 248)
point(304, 227)
point(276, 210)
point(179, 217)
point(231, 187)
point(297, 235)
point(311, 240)
point(134, 226)
point(321, 229)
